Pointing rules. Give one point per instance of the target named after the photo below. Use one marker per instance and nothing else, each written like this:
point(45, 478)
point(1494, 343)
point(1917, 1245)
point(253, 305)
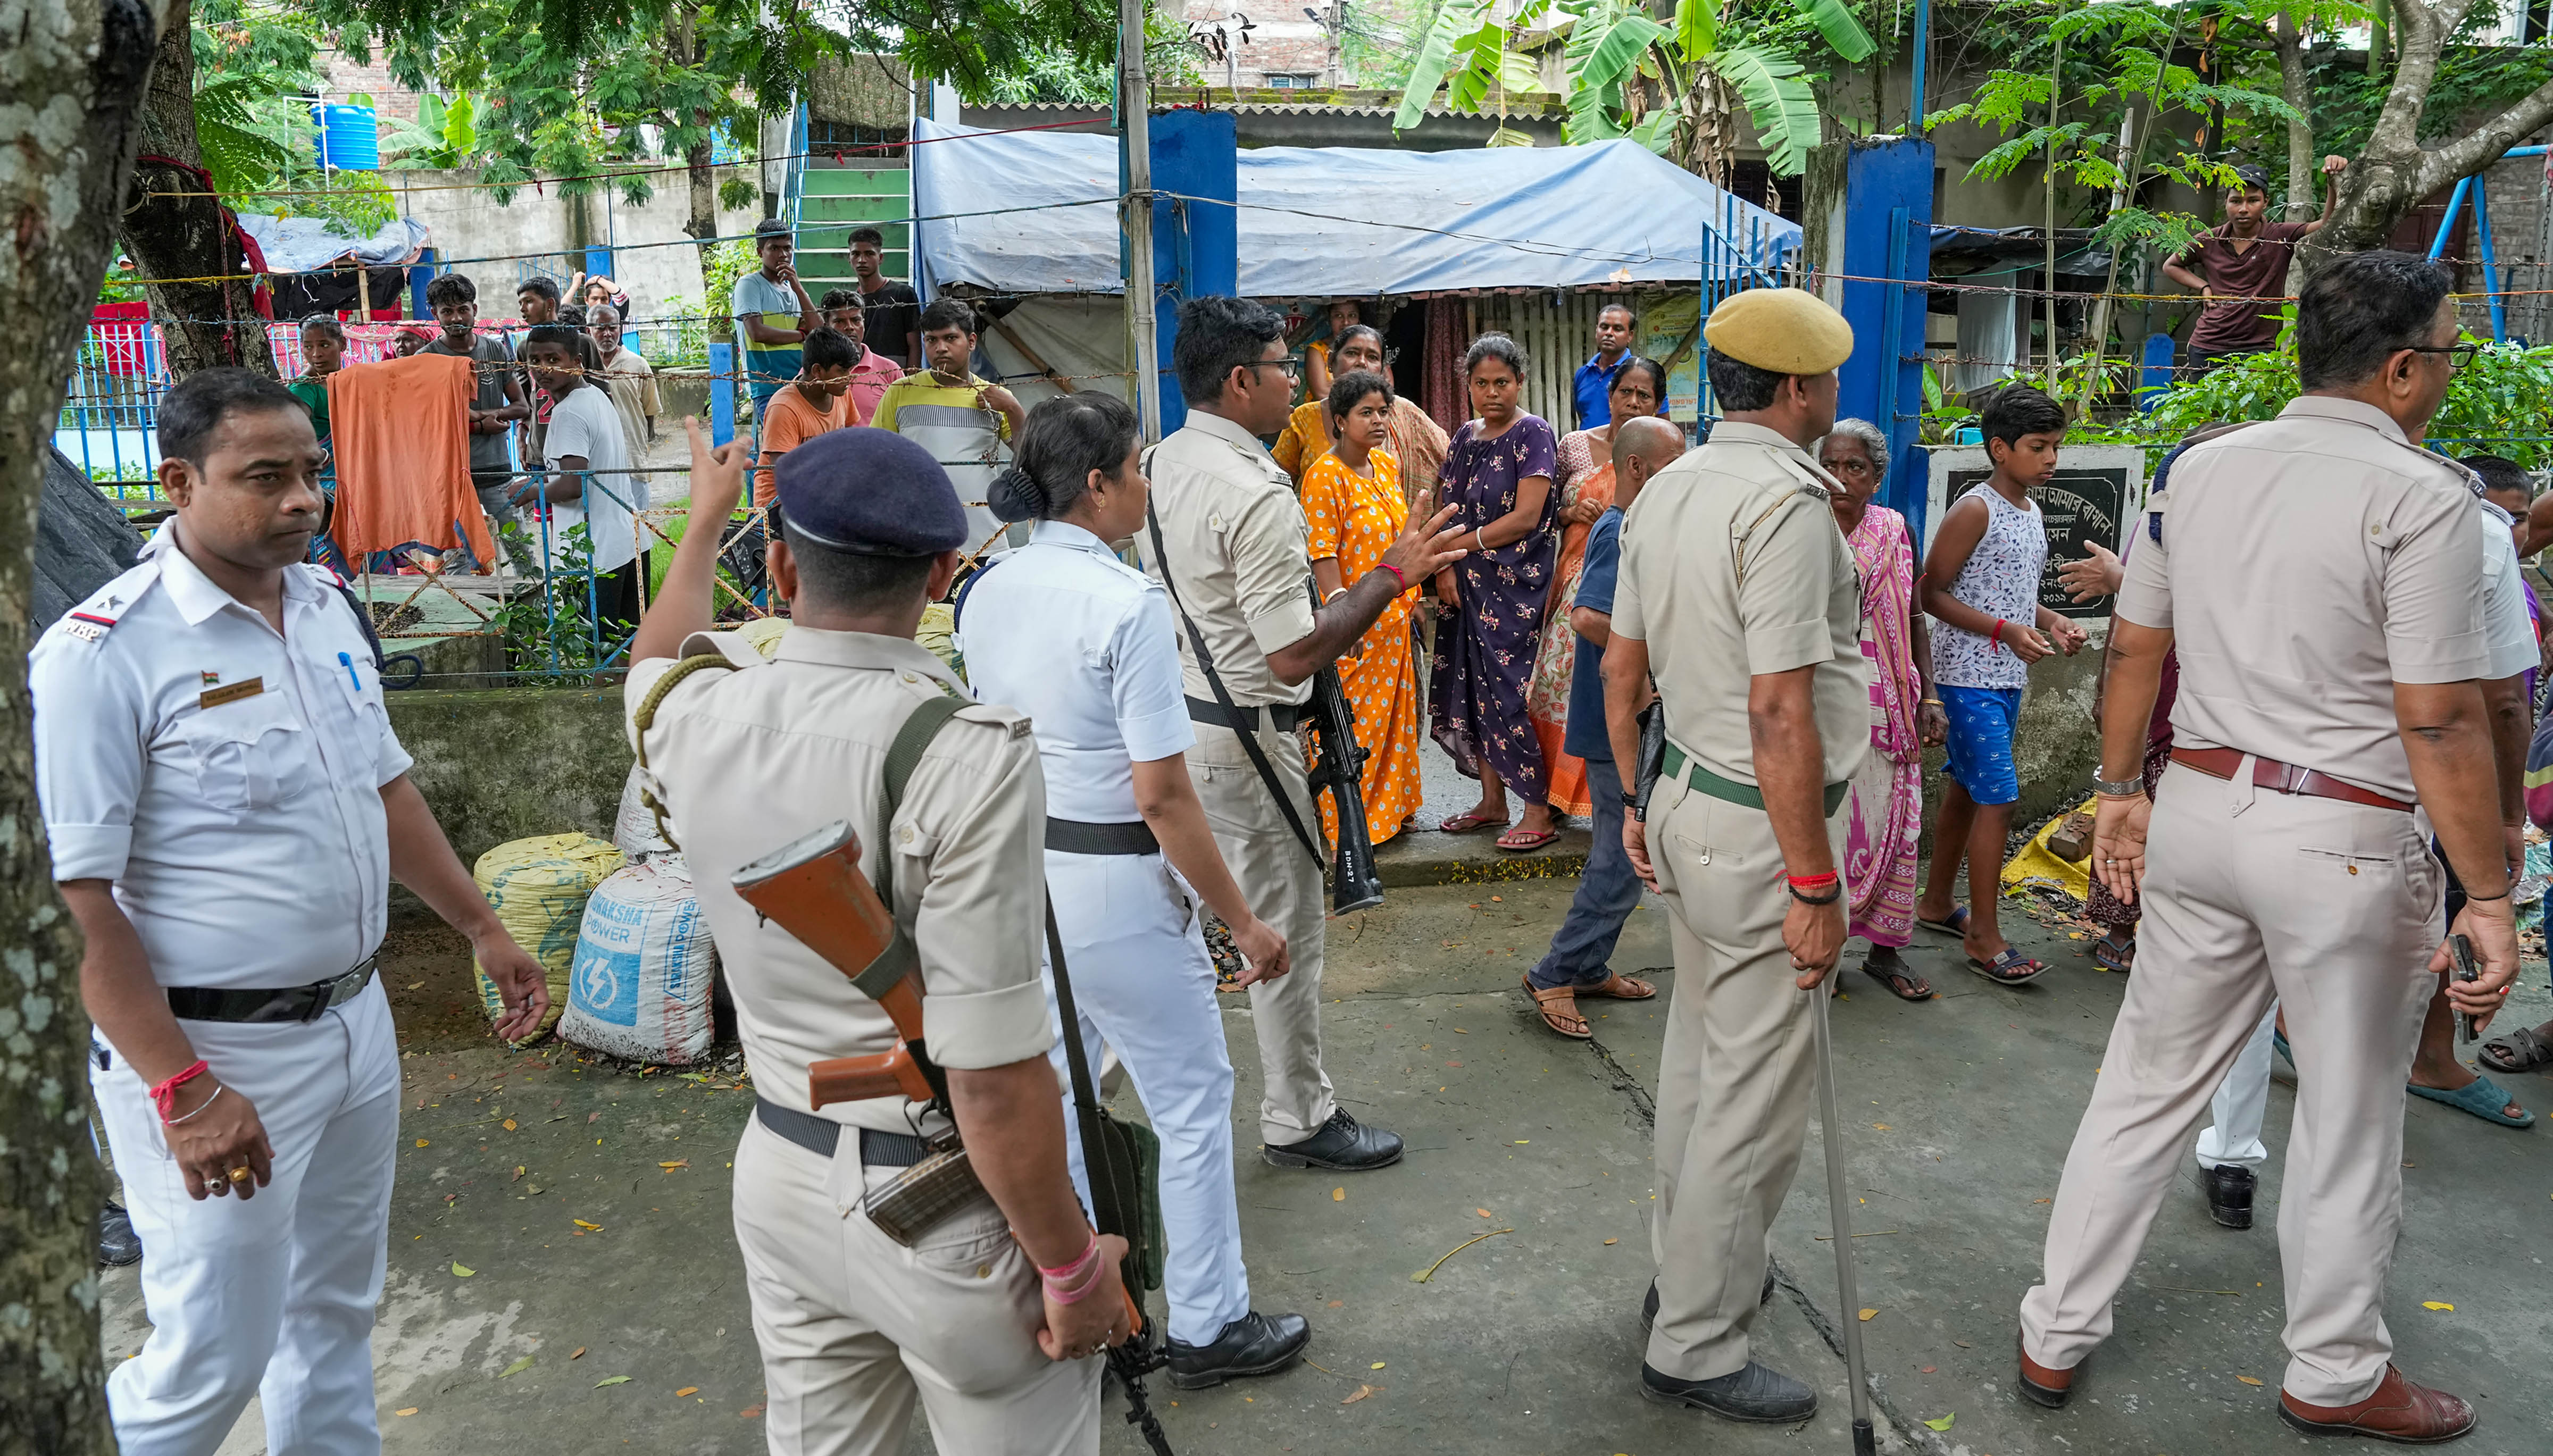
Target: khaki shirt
point(748, 760)
point(2307, 564)
point(1747, 497)
point(1240, 553)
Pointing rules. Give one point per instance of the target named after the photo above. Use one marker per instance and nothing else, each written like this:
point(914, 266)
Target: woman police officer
point(1064, 632)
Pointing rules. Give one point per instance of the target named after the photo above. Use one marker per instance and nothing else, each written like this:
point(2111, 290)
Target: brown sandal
point(1559, 1009)
point(1619, 988)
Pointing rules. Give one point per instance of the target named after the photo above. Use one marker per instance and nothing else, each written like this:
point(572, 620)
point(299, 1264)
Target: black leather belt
point(821, 1136)
point(292, 1003)
point(1283, 715)
point(1074, 836)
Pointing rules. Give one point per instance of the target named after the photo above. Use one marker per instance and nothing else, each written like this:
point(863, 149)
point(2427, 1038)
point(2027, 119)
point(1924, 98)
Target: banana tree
point(444, 136)
point(1614, 47)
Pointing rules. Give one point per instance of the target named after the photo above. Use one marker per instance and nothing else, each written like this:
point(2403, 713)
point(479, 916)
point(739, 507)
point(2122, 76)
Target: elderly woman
point(1416, 442)
point(1886, 803)
point(1586, 490)
point(1497, 477)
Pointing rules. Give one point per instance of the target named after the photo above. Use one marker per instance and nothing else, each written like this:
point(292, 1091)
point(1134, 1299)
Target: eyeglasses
point(2458, 354)
point(1293, 369)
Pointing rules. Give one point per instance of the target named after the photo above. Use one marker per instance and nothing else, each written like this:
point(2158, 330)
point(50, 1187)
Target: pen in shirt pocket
point(351, 675)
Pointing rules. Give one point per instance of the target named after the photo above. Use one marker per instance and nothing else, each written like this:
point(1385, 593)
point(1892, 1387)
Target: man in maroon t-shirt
point(2241, 267)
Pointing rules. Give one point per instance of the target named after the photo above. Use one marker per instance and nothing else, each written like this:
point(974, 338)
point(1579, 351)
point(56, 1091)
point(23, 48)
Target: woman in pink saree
point(1885, 812)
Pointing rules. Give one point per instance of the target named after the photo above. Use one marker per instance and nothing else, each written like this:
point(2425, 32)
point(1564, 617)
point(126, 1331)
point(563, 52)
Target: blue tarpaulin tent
point(1035, 212)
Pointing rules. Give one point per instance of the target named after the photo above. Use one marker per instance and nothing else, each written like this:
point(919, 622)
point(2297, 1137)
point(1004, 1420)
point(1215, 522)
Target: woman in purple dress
point(1497, 476)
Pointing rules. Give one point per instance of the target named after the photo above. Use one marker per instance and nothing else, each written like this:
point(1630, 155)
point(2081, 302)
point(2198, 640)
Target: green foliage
point(727, 262)
point(2493, 405)
point(1613, 47)
point(444, 137)
point(550, 628)
point(2118, 59)
point(254, 73)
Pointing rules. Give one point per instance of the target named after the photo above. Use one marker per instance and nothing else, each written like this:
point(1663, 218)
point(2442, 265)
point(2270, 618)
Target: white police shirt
point(226, 779)
point(1082, 643)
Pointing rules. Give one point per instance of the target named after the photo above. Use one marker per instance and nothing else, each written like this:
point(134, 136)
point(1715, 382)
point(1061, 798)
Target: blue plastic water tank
point(348, 137)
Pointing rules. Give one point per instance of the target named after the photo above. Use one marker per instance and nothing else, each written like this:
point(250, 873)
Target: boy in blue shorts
point(1980, 582)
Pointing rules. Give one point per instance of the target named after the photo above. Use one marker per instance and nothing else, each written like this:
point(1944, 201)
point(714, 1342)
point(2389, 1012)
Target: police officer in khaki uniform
point(992, 1317)
point(1732, 556)
point(2323, 577)
point(1238, 557)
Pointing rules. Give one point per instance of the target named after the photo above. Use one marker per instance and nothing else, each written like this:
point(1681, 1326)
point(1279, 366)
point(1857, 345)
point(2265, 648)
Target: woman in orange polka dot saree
point(1352, 500)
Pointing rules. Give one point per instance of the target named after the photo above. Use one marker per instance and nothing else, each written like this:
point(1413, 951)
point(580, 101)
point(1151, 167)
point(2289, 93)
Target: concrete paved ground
point(1526, 1342)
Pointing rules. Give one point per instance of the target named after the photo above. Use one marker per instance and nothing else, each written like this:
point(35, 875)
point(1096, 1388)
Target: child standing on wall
point(1980, 582)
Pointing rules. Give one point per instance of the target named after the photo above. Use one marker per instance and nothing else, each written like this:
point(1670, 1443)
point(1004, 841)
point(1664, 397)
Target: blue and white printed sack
point(644, 963)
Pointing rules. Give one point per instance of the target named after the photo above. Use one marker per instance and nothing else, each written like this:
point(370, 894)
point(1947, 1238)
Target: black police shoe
point(1758, 1392)
point(117, 1244)
point(2229, 1193)
point(1649, 1304)
point(1343, 1145)
point(1253, 1344)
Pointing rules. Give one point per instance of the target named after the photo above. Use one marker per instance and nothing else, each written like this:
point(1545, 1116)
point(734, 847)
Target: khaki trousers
point(855, 1327)
point(1735, 1080)
point(1284, 886)
point(2335, 908)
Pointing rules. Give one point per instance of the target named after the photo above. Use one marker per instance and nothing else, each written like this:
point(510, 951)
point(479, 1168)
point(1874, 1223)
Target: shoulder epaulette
point(94, 619)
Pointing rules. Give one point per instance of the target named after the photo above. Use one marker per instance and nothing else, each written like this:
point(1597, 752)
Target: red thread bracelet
point(164, 1095)
point(1812, 881)
point(1395, 575)
point(1995, 638)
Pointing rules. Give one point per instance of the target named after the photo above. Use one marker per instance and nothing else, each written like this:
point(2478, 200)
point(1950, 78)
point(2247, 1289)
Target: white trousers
point(271, 1296)
point(1142, 981)
point(2241, 1104)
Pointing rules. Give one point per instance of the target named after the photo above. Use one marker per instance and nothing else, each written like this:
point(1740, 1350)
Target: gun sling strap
point(1123, 1160)
point(1223, 697)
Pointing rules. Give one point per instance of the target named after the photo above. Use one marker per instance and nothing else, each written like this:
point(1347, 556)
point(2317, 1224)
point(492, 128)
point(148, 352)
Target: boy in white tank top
point(1980, 582)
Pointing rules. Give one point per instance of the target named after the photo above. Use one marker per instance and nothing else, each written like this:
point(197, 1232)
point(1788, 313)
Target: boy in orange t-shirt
point(812, 406)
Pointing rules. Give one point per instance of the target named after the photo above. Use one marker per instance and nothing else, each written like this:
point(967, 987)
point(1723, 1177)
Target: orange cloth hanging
point(400, 432)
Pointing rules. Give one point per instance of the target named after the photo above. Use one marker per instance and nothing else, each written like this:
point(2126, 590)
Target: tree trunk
point(2394, 173)
point(71, 74)
point(2300, 139)
point(683, 40)
point(175, 231)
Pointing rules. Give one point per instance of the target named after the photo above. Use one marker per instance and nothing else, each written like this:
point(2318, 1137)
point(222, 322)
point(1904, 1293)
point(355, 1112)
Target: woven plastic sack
point(538, 888)
point(644, 963)
point(633, 828)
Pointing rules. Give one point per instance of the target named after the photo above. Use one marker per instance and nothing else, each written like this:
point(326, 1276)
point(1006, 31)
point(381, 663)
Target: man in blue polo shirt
point(1592, 385)
point(1576, 963)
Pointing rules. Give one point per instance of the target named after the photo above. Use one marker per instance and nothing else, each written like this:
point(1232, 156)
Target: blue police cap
point(871, 491)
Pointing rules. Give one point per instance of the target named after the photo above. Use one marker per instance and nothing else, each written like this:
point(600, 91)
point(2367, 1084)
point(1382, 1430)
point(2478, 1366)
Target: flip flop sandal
point(2517, 1052)
point(2011, 968)
point(1619, 988)
point(1914, 989)
point(1467, 824)
point(1953, 924)
point(1558, 1007)
point(1523, 841)
point(2482, 1097)
point(2112, 954)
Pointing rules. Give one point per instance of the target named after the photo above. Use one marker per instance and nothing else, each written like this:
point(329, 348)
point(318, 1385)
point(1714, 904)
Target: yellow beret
point(1785, 330)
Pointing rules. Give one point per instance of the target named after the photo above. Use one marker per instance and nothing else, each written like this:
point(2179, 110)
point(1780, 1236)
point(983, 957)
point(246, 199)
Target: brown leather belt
point(2285, 778)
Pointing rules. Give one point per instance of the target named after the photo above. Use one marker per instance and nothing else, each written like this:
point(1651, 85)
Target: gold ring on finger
point(238, 1175)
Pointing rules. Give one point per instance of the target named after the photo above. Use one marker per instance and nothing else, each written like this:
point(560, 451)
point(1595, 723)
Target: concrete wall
point(515, 762)
point(655, 259)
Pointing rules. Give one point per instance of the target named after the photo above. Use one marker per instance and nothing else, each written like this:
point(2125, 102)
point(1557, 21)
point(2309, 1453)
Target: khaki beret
point(1785, 330)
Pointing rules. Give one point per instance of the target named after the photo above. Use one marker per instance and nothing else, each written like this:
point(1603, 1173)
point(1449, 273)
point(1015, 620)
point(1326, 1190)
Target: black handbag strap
point(1098, 1152)
point(1223, 696)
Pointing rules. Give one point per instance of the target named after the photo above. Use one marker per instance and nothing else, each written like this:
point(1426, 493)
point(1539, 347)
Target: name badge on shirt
point(216, 697)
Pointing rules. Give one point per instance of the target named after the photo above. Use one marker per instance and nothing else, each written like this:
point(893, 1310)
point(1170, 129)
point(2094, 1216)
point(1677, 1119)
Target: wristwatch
point(2117, 788)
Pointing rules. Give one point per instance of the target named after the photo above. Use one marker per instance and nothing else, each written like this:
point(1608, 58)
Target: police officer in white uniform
point(1082, 644)
point(226, 806)
point(990, 1318)
point(1235, 551)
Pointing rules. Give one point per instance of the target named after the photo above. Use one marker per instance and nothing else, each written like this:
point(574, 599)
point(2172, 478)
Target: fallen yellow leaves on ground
point(1868, 1315)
